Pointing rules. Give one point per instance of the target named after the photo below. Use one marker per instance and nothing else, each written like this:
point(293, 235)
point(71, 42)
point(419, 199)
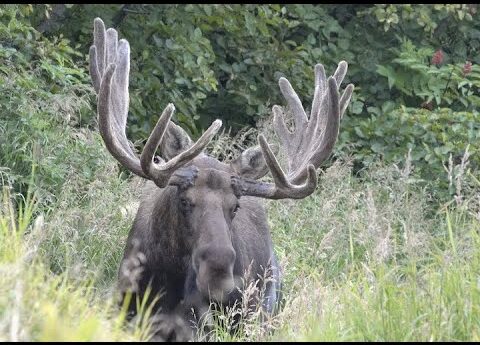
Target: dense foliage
point(374, 254)
point(408, 62)
point(433, 141)
point(224, 60)
point(45, 100)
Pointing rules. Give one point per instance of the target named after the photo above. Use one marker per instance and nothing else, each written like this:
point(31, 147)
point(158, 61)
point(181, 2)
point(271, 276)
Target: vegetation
point(387, 248)
point(363, 260)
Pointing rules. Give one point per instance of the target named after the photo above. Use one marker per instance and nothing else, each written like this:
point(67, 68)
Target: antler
point(109, 69)
point(311, 142)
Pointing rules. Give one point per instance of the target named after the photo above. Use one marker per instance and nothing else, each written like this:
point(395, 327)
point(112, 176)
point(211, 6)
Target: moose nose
point(214, 269)
point(218, 259)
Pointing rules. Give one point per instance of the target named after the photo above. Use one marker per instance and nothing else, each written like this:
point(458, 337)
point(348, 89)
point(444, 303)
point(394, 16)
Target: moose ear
point(175, 141)
point(251, 164)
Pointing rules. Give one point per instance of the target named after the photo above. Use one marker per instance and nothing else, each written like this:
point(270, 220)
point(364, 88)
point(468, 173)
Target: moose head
point(200, 224)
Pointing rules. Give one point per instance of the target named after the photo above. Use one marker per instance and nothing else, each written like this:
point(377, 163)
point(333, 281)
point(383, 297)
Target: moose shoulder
point(201, 233)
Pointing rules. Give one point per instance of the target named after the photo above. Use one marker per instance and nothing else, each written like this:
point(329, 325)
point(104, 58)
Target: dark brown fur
point(170, 235)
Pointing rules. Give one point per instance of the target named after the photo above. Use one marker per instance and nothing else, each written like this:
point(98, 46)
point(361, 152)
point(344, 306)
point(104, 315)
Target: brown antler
point(109, 69)
point(311, 142)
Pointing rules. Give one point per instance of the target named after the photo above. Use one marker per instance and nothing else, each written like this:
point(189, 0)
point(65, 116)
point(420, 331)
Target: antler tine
point(110, 68)
point(340, 72)
point(154, 139)
point(345, 99)
point(320, 88)
point(282, 188)
point(94, 72)
point(160, 174)
point(309, 144)
point(330, 127)
point(111, 46)
point(99, 44)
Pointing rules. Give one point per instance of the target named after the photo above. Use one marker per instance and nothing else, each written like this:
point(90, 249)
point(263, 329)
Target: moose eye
point(185, 203)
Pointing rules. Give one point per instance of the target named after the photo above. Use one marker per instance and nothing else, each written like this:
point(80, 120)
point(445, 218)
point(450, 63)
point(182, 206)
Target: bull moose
point(200, 224)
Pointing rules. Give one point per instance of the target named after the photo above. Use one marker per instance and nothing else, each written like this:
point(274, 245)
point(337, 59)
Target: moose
point(200, 224)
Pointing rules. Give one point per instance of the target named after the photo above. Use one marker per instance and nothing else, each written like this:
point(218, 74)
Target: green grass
point(367, 259)
point(435, 302)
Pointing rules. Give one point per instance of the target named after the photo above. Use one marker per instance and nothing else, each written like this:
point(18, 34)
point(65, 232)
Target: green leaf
point(357, 107)
point(250, 23)
point(197, 33)
point(388, 72)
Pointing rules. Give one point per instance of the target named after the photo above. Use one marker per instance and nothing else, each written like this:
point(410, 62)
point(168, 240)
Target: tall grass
point(37, 304)
point(367, 258)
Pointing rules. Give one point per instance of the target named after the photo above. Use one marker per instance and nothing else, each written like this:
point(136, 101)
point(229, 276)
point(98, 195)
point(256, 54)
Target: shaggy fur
point(169, 234)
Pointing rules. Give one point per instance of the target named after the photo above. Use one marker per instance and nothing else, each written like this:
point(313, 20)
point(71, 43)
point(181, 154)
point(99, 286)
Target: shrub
point(433, 138)
point(45, 98)
point(225, 60)
point(434, 82)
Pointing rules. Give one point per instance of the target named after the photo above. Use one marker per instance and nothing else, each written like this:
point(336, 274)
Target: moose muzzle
point(213, 266)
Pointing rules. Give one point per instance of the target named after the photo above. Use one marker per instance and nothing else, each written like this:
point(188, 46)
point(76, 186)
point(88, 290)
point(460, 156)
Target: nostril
point(220, 271)
point(199, 256)
point(224, 258)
